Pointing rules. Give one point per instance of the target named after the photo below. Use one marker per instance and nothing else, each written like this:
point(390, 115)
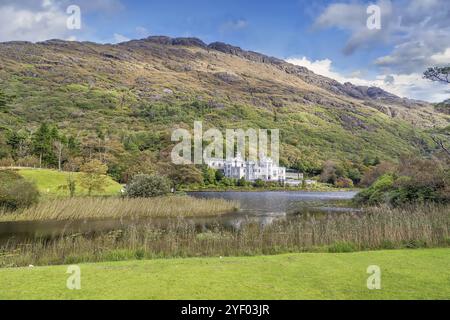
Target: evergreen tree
point(18, 141)
point(42, 142)
point(3, 99)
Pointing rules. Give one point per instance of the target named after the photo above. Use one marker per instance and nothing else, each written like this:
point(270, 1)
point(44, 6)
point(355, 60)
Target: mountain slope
point(156, 84)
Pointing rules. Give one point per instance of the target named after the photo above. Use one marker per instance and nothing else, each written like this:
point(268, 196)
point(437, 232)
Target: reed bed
point(98, 208)
point(378, 228)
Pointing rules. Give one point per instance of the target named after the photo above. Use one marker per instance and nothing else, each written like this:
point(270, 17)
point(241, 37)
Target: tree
point(209, 176)
point(19, 143)
point(60, 144)
point(344, 183)
point(93, 176)
point(442, 75)
point(3, 99)
point(219, 175)
point(438, 74)
point(42, 143)
point(355, 175)
point(5, 149)
point(70, 186)
point(16, 192)
point(148, 186)
point(185, 175)
point(332, 171)
point(441, 144)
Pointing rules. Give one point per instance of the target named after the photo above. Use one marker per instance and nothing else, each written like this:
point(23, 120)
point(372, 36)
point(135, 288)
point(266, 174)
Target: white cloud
point(325, 68)
point(32, 20)
point(142, 32)
point(353, 17)
point(234, 25)
point(441, 58)
point(412, 86)
point(45, 23)
point(118, 38)
point(417, 30)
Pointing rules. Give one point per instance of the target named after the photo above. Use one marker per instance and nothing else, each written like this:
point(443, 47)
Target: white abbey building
point(238, 168)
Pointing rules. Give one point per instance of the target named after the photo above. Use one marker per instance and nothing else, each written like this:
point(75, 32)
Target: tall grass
point(379, 228)
point(97, 208)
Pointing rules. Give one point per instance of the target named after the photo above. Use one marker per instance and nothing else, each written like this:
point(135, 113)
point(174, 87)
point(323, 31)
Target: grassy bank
point(379, 228)
point(97, 208)
point(49, 183)
point(405, 274)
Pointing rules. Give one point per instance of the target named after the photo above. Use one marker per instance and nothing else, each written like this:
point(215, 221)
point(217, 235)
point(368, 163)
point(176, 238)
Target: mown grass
point(380, 228)
point(50, 183)
point(100, 208)
point(405, 274)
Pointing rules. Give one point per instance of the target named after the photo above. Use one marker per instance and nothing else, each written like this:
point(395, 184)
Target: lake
point(260, 207)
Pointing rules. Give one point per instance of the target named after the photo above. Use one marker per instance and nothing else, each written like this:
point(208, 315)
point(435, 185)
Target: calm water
point(260, 207)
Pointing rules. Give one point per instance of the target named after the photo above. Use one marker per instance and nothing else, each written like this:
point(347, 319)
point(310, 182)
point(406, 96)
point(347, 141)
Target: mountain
point(135, 92)
point(443, 107)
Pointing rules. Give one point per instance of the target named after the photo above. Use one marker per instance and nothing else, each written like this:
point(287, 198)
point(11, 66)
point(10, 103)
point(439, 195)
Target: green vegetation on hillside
point(406, 274)
point(67, 103)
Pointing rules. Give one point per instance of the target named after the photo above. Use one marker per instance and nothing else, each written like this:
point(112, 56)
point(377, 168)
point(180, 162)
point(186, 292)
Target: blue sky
point(279, 28)
point(329, 37)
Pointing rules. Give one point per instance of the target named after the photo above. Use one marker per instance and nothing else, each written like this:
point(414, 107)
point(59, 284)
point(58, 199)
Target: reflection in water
point(263, 208)
point(266, 202)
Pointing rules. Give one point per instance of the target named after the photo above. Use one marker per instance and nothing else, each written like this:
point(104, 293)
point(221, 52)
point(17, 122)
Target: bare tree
point(59, 145)
point(441, 144)
point(438, 74)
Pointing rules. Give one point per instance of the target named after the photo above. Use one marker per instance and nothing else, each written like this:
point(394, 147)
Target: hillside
point(126, 98)
point(443, 107)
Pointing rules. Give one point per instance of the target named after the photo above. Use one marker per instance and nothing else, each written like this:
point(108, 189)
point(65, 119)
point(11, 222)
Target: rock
point(188, 42)
point(228, 77)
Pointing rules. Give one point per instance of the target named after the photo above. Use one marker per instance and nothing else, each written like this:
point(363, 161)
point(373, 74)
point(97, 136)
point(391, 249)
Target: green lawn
point(49, 182)
point(406, 274)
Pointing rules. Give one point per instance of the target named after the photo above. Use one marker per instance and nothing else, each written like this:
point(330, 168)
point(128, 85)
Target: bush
point(16, 192)
point(148, 186)
point(414, 180)
point(344, 183)
point(372, 174)
point(376, 194)
point(259, 183)
point(342, 247)
point(243, 183)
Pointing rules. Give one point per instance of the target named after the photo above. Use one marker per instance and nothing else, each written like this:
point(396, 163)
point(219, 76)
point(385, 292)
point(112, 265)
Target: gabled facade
point(238, 168)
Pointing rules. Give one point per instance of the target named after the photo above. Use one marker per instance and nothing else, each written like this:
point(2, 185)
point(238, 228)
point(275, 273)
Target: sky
point(331, 38)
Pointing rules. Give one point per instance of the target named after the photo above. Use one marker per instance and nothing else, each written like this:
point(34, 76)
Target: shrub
point(372, 174)
point(16, 192)
point(342, 247)
point(344, 183)
point(148, 186)
point(414, 180)
point(243, 183)
point(376, 193)
point(259, 184)
point(227, 182)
